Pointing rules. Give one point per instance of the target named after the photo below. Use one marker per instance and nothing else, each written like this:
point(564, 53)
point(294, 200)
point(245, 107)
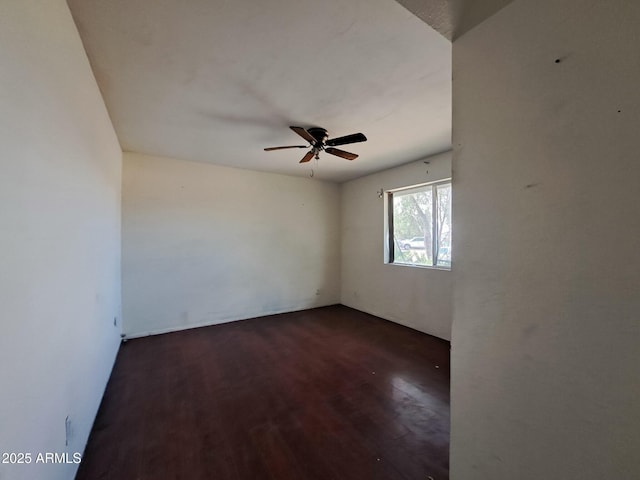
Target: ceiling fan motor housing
point(320, 134)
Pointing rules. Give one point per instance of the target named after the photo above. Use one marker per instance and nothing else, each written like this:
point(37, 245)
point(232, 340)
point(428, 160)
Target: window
point(419, 225)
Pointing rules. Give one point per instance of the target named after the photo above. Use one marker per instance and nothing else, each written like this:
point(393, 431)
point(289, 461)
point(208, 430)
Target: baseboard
point(180, 328)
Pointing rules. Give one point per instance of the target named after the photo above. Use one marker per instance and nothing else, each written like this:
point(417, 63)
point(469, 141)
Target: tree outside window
point(420, 225)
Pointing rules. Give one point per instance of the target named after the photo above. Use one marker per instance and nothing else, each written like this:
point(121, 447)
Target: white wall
point(546, 330)
point(60, 166)
point(205, 244)
point(419, 298)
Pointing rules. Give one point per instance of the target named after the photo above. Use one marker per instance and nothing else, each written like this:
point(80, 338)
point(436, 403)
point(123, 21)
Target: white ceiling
point(453, 18)
point(217, 81)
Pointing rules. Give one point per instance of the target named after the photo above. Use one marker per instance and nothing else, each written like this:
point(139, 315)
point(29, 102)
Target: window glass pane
point(444, 225)
point(413, 226)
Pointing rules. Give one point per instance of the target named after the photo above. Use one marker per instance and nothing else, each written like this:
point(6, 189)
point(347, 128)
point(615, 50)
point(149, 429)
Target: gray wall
point(60, 166)
point(546, 330)
point(204, 244)
point(419, 298)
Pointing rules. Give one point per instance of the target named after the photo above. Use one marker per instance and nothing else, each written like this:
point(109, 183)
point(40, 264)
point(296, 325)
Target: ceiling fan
point(319, 140)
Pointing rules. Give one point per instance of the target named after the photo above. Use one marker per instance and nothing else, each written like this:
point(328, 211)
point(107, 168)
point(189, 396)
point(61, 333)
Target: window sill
point(415, 265)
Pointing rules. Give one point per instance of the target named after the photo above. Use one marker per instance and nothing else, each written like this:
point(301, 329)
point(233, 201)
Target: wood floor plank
point(328, 393)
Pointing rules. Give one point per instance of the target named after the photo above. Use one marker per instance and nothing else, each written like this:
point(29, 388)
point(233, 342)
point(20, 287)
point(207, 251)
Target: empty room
point(392, 239)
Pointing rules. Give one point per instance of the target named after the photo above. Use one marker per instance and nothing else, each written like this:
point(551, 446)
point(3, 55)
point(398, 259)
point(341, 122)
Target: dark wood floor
point(330, 393)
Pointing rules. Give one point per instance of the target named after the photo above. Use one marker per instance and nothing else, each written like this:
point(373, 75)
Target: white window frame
point(389, 250)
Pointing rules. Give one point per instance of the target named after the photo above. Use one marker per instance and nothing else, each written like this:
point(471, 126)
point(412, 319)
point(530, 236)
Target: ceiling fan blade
point(304, 134)
point(353, 138)
point(268, 149)
point(307, 157)
point(341, 153)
